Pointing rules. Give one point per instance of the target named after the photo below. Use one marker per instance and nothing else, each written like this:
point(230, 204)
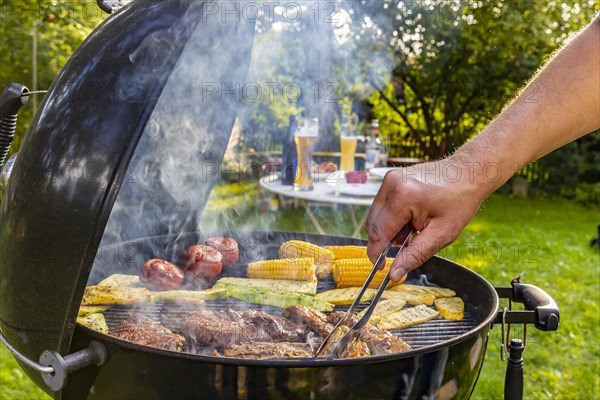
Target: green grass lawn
point(547, 240)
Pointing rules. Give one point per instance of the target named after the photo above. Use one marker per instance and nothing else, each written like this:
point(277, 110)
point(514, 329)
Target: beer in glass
point(348, 141)
point(305, 139)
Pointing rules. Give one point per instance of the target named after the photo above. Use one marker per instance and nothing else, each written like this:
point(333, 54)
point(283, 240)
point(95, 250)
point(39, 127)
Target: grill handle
point(54, 368)
point(513, 381)
point(537, 300)
point(542, 310)
point(11, 100)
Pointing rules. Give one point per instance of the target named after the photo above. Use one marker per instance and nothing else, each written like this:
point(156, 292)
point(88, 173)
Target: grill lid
point(78, 152)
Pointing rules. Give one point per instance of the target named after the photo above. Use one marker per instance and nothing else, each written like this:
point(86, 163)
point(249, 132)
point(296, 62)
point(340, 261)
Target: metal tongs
point(407, 231)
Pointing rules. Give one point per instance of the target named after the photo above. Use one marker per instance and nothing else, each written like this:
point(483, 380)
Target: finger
point(378, 205)
point(383, 228)
point(376, 242)
point(421, 248)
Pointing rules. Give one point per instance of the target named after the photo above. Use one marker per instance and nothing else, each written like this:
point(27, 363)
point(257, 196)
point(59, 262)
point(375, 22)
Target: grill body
point(446, 359)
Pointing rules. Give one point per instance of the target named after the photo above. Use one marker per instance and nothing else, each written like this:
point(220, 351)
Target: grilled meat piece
point(335, 317)
point(387, 345)
point(378, 341)
point(381, 341)
point(356, 348)
point(224, 328)
point(266, 350)
point(316, 320)
point(333, 341)
point(142, 330)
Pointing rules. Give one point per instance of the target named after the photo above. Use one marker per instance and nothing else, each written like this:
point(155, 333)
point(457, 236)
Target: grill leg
point(513, 381)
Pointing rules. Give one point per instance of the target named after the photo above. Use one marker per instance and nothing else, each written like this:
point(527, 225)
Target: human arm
point(560, 104)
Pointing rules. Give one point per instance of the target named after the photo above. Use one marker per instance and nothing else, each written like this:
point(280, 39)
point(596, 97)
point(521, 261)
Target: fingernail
point(396, 274)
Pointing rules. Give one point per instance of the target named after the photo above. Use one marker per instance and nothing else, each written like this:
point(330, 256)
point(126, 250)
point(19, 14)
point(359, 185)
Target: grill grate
point(418, 336)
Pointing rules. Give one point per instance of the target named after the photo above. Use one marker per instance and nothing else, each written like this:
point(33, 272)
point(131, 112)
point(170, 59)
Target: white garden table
point(331, 189)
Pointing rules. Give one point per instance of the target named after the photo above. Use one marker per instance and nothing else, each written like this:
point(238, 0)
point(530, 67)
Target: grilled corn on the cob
point(299, 249)
point(348, 251)
point(298, 269)
point(351, 272)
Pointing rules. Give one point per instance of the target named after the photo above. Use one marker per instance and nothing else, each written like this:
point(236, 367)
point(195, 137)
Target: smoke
point(256, 61)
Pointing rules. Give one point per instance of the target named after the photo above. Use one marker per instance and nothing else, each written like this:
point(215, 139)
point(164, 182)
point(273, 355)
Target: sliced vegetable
point(96, 322)
point(345, 296)
point(279, 285)
point(95, 295)
point(84, 311)
point(451, 308)
point(408, 317)
point(198, 295)
point(383, 308)
point(413, 299)
point(418, 289)
point(274, 298)
point(121, 280)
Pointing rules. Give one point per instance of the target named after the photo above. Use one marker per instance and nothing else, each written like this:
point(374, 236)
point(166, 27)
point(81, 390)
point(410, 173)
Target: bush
point(588, 194)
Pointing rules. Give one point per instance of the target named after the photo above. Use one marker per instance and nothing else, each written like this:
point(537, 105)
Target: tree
point(456, 62)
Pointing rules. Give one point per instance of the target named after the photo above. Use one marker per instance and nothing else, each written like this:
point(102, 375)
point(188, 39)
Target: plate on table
point(357, 189)
point(379, 173)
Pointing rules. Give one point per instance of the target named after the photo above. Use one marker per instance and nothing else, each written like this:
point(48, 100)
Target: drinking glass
point(305, 139)
point(385, 152)
point(348, 142)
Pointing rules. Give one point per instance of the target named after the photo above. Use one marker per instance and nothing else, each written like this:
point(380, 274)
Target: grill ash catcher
point(117, 167)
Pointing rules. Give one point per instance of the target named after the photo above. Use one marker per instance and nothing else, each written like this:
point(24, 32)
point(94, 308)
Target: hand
point(438, 198)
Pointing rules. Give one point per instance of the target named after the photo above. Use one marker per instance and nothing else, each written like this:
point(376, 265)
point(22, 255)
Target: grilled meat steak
point(379, 341)
point(142, 330)
point(335, 317)
point(222, 329)
point(356, 348)
point(266, 350)
point(316, 320)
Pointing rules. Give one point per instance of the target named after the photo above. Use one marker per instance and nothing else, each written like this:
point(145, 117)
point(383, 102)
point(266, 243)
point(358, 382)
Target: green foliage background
point(60, 26)
point(452, 71)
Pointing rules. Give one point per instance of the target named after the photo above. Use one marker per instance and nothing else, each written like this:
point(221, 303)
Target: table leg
point(313, 218)
point(360, 225)
point(353, 217)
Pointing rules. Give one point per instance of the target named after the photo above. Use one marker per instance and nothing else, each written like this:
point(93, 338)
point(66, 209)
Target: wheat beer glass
point(305, 139)
point(348, 142)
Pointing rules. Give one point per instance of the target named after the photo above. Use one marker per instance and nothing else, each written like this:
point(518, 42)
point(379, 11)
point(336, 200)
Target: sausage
point(203, 261)
point(228, 248)
point(159, 274)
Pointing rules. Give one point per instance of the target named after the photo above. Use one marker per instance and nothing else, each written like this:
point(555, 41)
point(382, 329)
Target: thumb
point(420, 249)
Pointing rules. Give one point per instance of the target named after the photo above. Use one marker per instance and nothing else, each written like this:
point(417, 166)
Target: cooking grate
point(427, 334)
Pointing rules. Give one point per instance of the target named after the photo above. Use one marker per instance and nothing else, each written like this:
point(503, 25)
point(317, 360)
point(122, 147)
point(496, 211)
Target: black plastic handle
point(513, 381)
point(108, 6)
point(535, 299)
point(11, 100)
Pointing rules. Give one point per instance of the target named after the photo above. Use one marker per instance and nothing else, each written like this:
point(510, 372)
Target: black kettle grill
point(117, 167)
